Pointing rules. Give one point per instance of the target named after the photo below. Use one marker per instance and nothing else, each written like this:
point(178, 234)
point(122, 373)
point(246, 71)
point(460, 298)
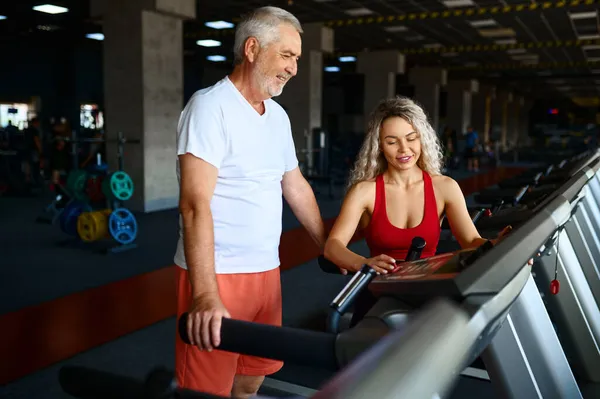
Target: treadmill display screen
point(436, 267)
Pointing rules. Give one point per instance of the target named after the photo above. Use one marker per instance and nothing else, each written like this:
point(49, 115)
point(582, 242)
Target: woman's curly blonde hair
point(371, 161)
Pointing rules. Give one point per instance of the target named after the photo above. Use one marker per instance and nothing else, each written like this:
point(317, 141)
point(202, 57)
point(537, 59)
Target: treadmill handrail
point(309, 348)
point(419, 361)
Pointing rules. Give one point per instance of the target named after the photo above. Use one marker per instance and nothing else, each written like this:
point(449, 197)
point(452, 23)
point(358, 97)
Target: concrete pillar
point(460, 104)
point(143, 91)
point(427, 83)
point(525, 108)
point(502, 109)
point(481, 109)
point(380, 69)
point(303, 95)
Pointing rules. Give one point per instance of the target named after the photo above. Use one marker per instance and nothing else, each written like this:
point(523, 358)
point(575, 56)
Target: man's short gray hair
point(263, 24)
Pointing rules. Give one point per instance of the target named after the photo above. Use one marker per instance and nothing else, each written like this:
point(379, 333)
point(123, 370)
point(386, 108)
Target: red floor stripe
point(38, 336)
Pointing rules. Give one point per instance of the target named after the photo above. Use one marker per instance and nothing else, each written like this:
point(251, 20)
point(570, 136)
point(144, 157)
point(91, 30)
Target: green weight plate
point(76, 183)
point(121, 186)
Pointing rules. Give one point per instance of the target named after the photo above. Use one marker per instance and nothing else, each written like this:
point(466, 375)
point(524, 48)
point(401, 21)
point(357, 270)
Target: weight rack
point(121, 224)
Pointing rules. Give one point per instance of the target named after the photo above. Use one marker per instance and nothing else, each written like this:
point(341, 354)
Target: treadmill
point(566, 273)
point(419, 361)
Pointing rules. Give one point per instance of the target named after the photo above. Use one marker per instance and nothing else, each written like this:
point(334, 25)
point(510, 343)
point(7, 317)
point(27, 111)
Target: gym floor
point(115, 312)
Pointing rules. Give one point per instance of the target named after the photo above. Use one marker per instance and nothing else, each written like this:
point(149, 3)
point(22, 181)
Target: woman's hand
point(382, 264)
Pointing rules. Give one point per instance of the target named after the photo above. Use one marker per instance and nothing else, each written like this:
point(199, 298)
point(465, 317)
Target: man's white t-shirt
point(251, 152)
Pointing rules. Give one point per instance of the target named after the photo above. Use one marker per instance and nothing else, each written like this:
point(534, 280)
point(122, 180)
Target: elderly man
point(236, 157)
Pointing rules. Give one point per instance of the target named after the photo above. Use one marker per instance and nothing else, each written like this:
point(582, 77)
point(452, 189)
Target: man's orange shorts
point(252, 297)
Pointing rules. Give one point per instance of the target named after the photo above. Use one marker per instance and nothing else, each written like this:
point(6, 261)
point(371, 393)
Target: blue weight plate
point(122, 226)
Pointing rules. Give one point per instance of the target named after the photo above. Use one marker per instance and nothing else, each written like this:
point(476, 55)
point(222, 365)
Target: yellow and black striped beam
point(479, 12)
point(490, 47)
point(521, 66)
point(462, 13)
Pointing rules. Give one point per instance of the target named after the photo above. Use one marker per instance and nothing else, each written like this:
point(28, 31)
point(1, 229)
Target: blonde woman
point(396, 192)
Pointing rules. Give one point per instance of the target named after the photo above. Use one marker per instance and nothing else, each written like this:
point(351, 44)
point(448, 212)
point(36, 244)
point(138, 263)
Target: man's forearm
point(305, 208)
point(198, 244)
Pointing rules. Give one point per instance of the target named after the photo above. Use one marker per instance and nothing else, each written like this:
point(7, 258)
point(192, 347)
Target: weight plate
point(93, 189)
point(92, 226)
point(70, 215)
point(122, 226)
point(121, 185)
point(76, 184)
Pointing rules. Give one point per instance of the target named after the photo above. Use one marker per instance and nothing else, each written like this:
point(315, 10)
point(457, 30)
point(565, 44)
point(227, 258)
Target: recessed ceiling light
point(591, 47)
point(358, 12)
point(516, 51)
point(95, 36)
point(2, 17)
point(583, 15)
point(458, 3)
point(483, 23)
point(208, 43)
point(499, 32)
point(332, 69)
point(395, 29)
point(414, 38)
point(219, 25)
point(50, 9)
point(506, 41)
point(216, 58)
point(348, 58)
point(588, 37)
point(525, 57)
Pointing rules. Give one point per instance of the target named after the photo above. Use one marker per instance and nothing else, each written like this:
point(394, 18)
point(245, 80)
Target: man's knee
point(246, 386)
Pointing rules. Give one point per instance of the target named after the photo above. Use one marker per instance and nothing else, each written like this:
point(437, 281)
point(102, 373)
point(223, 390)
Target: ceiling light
point(583, 15)
point(208, 43)
point(332, 69)
point(414, 38)
point(499, 32)
point(2, 17)
point(50, 9)
point(593, 59)
point(348, 58)
point(395, 29)
point(482, 23)
point(219, 25)
point(216, 58)
point(591, 47)
point(358, 12)
point(506, 41)
point(458, 3)
point(588, 37)
point(95, 36)
point(516, 51)
point(524, 57)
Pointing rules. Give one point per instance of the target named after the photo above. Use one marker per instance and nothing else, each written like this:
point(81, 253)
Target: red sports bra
point(383, 237)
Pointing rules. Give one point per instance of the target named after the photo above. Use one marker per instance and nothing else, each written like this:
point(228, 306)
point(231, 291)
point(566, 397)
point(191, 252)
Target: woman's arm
point(345, 225)
point(336, 250)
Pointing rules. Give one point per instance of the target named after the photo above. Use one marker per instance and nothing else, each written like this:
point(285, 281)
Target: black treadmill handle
point(310, 348)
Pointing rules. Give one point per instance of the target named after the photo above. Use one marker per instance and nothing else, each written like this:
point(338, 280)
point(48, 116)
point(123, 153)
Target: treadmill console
point(430, 276)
